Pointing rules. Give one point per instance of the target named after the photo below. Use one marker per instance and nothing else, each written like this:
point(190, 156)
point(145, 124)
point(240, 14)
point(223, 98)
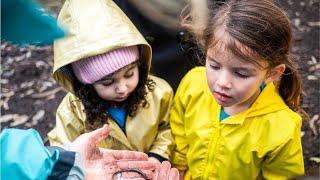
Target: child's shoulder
point(200, 70)
point(71, 97)
point(194, 79)
point(161, 83)
point(70, 100)
point(162, 89)
point(283, 122)
point(195, 75)
point(194, 85)
point(289, 116)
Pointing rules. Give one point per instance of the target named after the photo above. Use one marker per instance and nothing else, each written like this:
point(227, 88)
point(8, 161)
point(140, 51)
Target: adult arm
point(24, 156)
point(77, 160)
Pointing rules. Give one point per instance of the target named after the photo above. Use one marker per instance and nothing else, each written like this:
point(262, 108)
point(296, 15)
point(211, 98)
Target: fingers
point(146, 167)
point(130, 179)
point(143, 165)
point(132, 175)
point(164, 170)
point(99, 134)
point(174, 174)
point(154, 161)
point(124, 155)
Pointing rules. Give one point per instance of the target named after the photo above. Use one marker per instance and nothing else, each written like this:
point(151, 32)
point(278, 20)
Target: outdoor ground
point(29, 95)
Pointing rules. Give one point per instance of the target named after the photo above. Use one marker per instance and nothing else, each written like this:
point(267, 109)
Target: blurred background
point(30, 96)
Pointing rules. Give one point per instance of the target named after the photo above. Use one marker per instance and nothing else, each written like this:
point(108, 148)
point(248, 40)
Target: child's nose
point(121, 87)
point(224, 82)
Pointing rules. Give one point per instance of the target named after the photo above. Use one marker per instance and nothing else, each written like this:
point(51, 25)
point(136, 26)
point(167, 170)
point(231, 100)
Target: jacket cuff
point(69, 164)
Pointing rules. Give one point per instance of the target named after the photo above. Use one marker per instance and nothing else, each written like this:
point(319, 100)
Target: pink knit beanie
point(92, 69)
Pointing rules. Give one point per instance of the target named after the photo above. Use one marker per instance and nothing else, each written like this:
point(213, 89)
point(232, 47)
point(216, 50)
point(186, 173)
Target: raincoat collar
point(267, 102)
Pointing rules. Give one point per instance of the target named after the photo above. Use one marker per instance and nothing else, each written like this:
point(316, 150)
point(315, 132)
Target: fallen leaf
point(7, 117)
point(314, 23)
point(47, 93)
point(312, 78)
point(31, 91)
point(312, 124)
point(316, 159)
point(4, 81)
point(314, 68)
point(19, 119)
point(38, 115)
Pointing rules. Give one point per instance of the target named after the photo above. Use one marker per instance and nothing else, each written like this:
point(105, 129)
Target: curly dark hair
point(95, 106)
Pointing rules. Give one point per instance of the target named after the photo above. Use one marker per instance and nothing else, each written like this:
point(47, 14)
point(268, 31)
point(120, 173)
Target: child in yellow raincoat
point(236, 118)
point(103, 62)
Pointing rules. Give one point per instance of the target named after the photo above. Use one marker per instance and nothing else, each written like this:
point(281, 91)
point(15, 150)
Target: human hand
point(181, 174)
point(155, 161)
point(102, 163)
point(165, 172)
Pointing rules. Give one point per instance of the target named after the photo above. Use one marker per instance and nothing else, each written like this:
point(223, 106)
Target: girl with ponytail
point(237, 117)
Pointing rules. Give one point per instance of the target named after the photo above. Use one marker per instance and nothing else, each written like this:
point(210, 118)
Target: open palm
point(102, 163)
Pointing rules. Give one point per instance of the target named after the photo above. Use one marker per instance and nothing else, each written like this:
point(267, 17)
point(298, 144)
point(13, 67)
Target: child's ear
point(274, 73)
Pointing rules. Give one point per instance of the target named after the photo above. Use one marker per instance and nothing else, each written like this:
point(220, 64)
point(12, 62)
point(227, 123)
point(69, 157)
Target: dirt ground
point(29, 95)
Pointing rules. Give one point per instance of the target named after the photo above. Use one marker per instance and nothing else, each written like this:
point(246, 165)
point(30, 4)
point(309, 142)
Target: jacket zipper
point(212, 152)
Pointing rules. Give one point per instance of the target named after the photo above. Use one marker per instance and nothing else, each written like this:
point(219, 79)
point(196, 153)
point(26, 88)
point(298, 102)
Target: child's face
point(234, 83)
point(119, 85)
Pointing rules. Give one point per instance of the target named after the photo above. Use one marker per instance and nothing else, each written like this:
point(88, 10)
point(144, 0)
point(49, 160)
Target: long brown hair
point(264, 29)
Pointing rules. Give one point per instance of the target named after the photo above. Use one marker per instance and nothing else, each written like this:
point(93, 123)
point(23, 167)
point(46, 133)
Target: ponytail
point(290, 88)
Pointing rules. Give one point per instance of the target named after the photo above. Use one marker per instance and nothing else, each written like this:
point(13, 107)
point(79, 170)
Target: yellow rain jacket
point(95, 27)
point(262, 142)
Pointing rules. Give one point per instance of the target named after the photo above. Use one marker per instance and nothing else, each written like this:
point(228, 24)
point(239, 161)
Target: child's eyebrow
point(245, 69)
point(105, 78)
point(240, 68)
point(212, 59)
point(250, 68)
point(132, 66)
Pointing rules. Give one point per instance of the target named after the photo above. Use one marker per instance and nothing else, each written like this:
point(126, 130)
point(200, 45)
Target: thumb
point(99, 134)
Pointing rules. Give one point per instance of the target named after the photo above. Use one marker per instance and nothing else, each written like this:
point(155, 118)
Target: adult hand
point(102, 163)
point(165, 172)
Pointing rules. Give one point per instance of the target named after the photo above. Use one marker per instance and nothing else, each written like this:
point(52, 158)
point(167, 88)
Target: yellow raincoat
point(95, 27)
point(262, 142)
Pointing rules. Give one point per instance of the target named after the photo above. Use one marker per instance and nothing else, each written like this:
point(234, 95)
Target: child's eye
point(242, 75)
point(104, 84)
point(215, 67)
point(129, 75)
point(109, 83)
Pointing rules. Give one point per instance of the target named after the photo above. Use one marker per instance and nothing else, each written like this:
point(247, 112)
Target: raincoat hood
point(93, 27)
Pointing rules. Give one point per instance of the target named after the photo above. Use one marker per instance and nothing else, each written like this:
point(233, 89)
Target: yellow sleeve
point(286, 161)
point(69, 121)
point(163, 144)
point(177, 113)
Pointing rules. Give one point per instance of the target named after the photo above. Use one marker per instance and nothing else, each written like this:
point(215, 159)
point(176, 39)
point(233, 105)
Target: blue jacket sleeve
point(23, 156)
point(69, 165)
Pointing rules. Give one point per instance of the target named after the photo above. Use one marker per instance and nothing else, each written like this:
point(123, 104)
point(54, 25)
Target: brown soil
point(29, 95)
